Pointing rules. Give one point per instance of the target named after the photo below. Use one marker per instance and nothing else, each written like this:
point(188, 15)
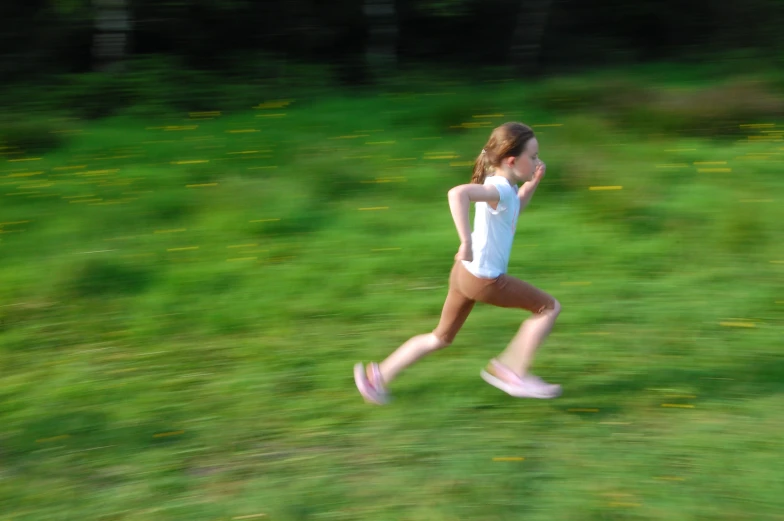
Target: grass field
point(182, 301)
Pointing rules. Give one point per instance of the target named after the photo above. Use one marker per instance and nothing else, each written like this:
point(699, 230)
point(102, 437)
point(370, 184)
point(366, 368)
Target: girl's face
point(523, 166)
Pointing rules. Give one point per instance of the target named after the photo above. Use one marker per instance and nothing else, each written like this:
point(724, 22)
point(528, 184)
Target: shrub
point(32, 134)
point(103, 277)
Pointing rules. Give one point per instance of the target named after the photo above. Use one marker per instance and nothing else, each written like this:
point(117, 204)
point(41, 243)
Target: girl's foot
point(528, 386)
point(370, 384)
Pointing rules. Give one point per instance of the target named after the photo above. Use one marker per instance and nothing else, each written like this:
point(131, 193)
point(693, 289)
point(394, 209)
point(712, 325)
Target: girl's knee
point(552, 308)
point(439, 341)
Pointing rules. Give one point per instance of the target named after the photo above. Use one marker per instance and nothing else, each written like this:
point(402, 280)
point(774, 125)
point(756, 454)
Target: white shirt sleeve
point(504, 190)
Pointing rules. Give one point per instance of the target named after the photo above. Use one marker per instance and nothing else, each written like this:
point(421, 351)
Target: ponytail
point(507, 140)
point(481, 166)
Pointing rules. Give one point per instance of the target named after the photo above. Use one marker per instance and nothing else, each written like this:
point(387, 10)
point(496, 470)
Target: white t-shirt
point(494, 231)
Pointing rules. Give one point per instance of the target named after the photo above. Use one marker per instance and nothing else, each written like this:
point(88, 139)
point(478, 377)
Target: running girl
point(479, 274)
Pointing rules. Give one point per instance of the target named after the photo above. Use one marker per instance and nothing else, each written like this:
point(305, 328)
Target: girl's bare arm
point(460, 198)
point(526, 192)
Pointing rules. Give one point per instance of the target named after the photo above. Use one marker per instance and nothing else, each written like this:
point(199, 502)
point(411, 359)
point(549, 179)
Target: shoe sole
point(359, 381)
point(513, 390)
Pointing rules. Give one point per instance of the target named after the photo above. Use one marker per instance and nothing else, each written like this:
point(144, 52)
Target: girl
point(509, 158)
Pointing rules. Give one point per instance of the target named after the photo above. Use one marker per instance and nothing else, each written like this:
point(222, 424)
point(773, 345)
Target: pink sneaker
point(529, 386)
point(372, 389)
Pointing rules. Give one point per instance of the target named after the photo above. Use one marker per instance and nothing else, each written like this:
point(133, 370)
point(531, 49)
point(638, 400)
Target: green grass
point(181, 305)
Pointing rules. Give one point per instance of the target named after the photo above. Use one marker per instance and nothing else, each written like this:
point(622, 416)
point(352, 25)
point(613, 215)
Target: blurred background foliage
point(247, 38)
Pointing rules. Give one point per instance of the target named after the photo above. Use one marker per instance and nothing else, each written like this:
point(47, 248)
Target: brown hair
point(507, 140)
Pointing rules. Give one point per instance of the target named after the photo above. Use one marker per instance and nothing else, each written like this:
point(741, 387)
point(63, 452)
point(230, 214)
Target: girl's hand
point(465, 253)
point(539, 171)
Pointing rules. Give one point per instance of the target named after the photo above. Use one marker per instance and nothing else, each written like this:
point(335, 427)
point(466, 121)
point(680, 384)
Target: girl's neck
point(506, 175)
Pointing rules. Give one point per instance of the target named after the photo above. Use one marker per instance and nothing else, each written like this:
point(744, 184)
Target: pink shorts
point(465, 289)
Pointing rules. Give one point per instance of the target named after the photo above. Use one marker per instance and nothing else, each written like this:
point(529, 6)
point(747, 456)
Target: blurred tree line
point(359, 36)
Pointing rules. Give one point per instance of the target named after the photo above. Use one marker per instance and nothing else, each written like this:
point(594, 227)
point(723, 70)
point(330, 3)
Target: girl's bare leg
point(519, 354)
point(412, 350)
point(454, 313)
